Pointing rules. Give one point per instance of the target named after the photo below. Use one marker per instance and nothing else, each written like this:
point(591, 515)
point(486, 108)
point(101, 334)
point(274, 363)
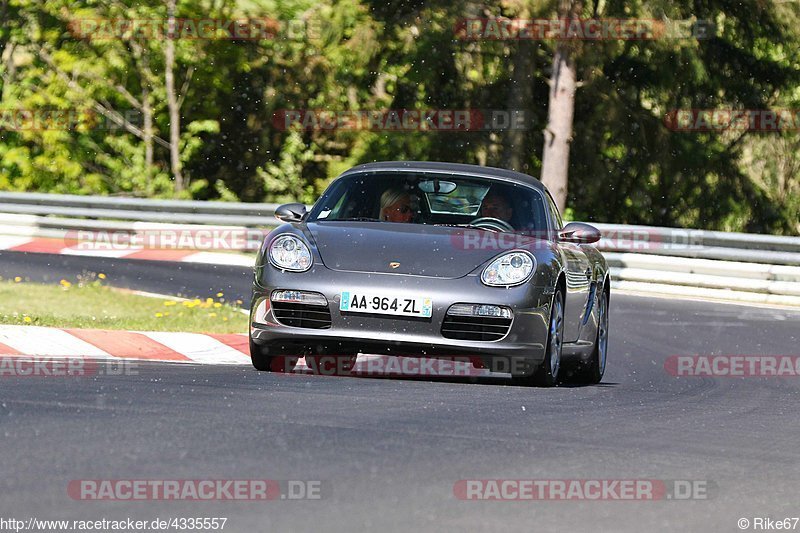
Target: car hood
point(420, 250)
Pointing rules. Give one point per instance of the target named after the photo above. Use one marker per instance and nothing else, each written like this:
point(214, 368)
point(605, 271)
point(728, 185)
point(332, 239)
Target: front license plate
point(384, 304)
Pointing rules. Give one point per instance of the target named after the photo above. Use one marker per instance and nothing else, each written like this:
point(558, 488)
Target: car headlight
point(509, 269)
point(287, 252)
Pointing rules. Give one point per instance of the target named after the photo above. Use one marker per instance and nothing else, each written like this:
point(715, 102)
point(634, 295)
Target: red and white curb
point(208, 349)
point(58, 246)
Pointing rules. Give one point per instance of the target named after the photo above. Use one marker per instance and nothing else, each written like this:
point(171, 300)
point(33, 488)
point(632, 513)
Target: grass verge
point(90, 304)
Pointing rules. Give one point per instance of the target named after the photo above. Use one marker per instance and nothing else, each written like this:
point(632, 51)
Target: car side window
point(554, 214)
point(356, 201)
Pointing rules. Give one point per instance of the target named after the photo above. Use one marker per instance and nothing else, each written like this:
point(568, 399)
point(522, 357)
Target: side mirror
point(290, 212)
point(579, 233)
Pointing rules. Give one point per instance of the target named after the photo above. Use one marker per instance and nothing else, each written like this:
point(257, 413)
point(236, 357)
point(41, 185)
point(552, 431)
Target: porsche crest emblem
point(394, 264)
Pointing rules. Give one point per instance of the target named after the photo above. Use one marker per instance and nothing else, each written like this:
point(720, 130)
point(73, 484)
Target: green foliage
point(284, 181)
point(626, 165)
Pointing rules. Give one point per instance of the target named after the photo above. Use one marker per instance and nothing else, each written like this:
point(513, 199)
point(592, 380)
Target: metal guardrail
point(136, 204)
point(718, 261)
point(137, 209)
point(682, 238)
point(700, 244)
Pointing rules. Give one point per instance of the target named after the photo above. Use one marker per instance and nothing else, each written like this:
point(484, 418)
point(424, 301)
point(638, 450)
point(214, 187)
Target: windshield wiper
point(354, 219)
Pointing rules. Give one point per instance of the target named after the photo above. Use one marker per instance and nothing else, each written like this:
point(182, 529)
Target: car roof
point(453, 168)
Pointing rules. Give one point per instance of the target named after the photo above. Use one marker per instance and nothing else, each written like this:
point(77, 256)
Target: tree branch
point(185, 86)
point(111, 114)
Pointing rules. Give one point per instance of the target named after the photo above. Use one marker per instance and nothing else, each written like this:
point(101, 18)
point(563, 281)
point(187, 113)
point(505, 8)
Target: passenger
point(397, 205)
point(496, 205)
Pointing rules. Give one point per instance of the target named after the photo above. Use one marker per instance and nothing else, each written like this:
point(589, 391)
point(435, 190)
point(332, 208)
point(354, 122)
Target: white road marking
point(216, 258)
point(117, 254)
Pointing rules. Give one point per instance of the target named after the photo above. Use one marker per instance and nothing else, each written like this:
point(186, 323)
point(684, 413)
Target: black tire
point(591, 372)
point(547, 374)
point(262, 361)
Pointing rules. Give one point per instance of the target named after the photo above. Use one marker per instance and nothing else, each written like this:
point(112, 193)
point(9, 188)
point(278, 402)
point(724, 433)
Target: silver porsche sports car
point(433, 260)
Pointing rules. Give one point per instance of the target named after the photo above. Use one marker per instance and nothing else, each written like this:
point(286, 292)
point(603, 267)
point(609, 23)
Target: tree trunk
point(4, 40)
point(172, 100)
point(515, 145)
point(5, 30)
point(560, 113)
point(147, 115)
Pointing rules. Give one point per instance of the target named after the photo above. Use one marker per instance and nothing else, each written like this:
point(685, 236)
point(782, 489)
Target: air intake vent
point(302, 315)
point(475, 328)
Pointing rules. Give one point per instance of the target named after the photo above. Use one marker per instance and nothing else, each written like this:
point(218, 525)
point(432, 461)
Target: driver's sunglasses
point(405, 210)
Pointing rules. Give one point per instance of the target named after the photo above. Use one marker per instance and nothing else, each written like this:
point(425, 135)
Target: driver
point(396, 206)
point(496, 205)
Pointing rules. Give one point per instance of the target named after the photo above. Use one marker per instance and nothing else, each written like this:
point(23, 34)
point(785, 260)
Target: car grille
point(302, 315)
point(475, 328)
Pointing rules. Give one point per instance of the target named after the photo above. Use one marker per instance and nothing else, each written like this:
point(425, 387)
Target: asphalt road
point(163, 277)
point(389, 451)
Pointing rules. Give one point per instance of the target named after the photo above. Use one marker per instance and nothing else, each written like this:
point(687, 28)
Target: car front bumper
point(351, 333)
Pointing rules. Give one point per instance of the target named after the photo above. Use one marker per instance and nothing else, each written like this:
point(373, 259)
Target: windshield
point(449, 199)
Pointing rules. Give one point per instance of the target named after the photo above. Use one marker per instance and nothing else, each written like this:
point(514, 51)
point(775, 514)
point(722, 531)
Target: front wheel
point(548, 372)
point(263, 361)
point(591, 372)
